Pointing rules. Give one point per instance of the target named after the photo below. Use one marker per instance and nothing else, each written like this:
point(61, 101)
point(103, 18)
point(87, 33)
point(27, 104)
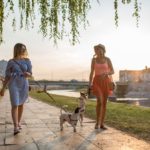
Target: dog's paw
point(75, 130)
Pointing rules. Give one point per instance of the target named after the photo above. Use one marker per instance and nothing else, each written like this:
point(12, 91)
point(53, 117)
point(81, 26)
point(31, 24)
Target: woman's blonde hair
point(20, 49)
point(101, 46)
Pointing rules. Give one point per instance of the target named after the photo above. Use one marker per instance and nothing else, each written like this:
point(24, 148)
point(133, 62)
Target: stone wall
point(138, 90)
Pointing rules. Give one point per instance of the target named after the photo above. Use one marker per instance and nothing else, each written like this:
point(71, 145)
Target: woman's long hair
point(102, 47)
point(20, 49)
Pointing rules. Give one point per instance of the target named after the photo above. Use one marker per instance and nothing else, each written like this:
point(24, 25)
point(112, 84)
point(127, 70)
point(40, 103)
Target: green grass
point(128, 118)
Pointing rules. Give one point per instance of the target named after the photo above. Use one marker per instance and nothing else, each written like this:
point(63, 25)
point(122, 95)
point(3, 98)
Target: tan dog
point(81, 104)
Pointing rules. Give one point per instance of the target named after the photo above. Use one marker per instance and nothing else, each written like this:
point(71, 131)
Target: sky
point(127, 46)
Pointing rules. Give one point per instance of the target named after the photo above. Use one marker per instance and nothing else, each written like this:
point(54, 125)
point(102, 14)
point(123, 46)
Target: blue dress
point(18, 85)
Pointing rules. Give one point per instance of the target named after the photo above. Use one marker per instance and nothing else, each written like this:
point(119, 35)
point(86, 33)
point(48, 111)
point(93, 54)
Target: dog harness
point(70, 118)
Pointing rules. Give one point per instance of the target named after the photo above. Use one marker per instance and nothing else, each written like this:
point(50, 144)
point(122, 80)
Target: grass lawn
point(131, 119)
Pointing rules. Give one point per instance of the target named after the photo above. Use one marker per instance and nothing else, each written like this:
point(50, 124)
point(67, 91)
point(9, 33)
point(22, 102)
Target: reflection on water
point(70, 93)
point(134, 101)
point(131, 99)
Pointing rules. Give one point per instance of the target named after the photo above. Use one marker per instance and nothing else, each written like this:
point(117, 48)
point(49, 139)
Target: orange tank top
point(101, 68)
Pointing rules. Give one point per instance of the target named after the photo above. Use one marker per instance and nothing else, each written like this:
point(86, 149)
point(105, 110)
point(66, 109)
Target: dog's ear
point(80, 93)
point(77, 110)
point(84, 95)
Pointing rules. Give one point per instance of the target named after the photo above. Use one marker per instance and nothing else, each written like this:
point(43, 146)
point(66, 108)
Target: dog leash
point(71, 119)
point(45, 91)
point(89, 122)
point(47, 94)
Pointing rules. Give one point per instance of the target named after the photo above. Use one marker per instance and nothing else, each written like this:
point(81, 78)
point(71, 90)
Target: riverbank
point(134, 120)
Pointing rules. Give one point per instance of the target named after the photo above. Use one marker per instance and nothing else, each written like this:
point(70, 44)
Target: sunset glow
point(127, 46)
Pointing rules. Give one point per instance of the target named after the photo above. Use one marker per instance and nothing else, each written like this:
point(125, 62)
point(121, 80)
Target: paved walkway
point(41, 132)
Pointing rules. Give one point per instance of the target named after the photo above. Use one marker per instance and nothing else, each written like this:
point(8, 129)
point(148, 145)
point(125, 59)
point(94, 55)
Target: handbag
point(111, 85)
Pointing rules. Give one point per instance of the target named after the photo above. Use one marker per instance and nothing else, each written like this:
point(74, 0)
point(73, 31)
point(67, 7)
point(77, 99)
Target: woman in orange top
point(101, 71)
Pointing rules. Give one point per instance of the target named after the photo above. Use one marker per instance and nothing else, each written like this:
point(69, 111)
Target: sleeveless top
point(101, 68)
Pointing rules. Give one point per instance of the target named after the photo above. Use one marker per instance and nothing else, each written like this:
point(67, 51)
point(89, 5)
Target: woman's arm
point(91, 72)
point(5, 82)
point(28, 73)
point(7, 77)
point(111, 72)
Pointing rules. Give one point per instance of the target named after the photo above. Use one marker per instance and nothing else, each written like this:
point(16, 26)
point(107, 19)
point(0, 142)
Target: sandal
point(19, 126)
point(96, 126)
point(16, 131)
point(103, 127)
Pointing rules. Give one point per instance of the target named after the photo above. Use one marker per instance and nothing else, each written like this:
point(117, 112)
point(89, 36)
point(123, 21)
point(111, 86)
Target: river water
point(70, 93)
point(134, 101)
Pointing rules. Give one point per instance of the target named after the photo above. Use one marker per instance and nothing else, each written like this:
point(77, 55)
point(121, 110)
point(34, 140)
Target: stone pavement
point(41, 131)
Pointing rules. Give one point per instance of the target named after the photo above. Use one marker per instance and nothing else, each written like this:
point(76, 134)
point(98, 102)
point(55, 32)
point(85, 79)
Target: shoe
point(103, 127)
point(16, 131)
point(96, 126)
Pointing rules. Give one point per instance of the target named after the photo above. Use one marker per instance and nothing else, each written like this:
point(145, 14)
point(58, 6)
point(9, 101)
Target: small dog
point(71, 118)
point(81, 104)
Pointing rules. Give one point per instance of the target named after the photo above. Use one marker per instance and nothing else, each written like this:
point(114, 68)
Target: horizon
point(83, 80)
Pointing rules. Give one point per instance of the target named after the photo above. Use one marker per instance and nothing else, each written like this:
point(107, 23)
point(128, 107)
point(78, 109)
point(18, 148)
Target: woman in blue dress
point(16, 77)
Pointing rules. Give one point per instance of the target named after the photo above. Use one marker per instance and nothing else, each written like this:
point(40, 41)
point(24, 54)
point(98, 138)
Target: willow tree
point(58, 18)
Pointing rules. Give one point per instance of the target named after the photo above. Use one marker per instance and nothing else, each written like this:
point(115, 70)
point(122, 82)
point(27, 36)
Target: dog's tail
point(63, 108)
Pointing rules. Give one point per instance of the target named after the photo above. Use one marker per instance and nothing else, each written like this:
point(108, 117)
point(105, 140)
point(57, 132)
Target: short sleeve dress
point(18, 84)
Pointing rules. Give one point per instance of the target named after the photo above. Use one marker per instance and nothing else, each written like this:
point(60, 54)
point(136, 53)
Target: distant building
point(134, 75)
point(133, 83)
point(3, 64)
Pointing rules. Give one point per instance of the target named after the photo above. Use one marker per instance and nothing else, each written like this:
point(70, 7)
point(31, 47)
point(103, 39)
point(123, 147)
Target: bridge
point(58, 84)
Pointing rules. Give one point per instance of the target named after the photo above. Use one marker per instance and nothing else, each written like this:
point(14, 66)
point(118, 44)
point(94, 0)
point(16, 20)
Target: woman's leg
point(14, 113)
point(20, 111)
point(103, 110)
point(98, 106)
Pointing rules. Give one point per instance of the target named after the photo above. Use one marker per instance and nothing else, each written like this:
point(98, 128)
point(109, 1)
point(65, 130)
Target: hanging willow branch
point(1, 20)
point(116, 12)
point(58, 18)
point(135, 13)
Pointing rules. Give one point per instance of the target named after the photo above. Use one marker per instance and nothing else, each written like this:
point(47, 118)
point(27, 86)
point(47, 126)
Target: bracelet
point(108, 74)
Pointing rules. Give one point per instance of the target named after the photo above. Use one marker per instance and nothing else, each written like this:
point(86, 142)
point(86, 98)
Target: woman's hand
point(90, 89)
point(104, 75)
point(27, 74)
point(90, 85)
point(2, 92)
